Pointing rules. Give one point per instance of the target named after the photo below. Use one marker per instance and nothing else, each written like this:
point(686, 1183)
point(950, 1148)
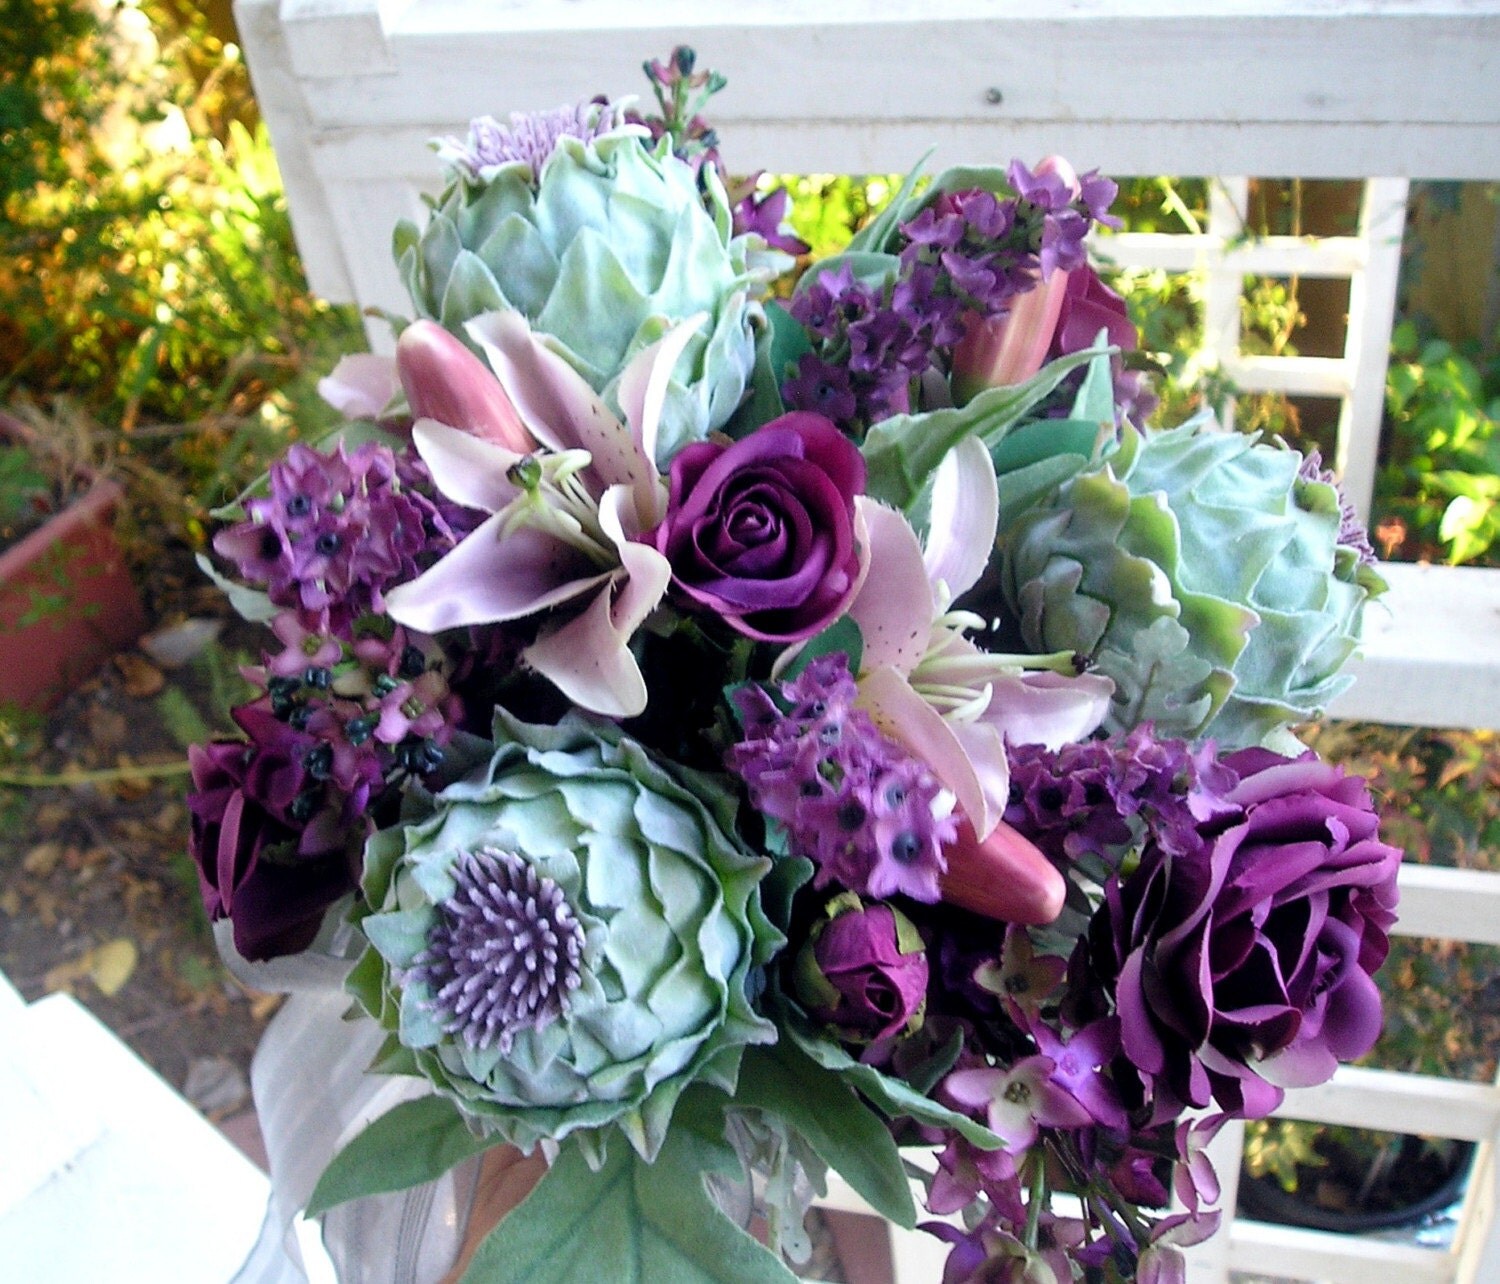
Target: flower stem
point(62, 779)
point(1036, 1201)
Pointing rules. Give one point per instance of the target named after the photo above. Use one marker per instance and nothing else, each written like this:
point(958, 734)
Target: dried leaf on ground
point(108, 728)
point(108, 966)
point(47, 819)
point(42, 859)
point(131, 788)
point(142, 678)
point(263, 1006)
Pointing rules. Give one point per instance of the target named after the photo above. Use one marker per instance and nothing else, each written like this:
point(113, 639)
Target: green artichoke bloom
point(617, 922)
point(604, 245)
point(1203, 573)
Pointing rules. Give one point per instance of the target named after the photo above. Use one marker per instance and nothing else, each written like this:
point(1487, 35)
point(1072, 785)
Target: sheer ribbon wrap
point(313, 1094)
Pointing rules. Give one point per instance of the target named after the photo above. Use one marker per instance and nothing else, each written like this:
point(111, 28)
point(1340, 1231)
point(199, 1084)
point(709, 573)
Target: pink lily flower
point(361, 385)
point(925, 684)
point(562, 537)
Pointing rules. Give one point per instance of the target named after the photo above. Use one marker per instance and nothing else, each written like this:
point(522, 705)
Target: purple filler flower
point(336, 531)
point(762, 532)
point(1243, 967)
point(864, 971)
point(869, 815)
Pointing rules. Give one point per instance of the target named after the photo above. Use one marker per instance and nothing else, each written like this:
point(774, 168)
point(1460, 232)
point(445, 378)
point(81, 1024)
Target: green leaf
point(1041, 439)
point(879, 232)
point(845, 1133)
point(897, 1099)
point(842, 635)
point(902, 453)
point(181, 718)
point(788, 874)
point(411, 1144)
point(1095, 401)
point(777, 351)
point(630, 1222)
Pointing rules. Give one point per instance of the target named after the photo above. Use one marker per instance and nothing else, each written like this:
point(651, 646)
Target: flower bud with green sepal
point(863, 971)
point(1204, 573)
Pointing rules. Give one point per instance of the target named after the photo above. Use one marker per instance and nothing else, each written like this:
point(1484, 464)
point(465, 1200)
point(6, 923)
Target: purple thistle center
point(1352, 532)
point(529, 137)
point(505, 953)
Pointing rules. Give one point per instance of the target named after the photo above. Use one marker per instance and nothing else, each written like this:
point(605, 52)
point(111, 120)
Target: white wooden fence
point(1381, 90)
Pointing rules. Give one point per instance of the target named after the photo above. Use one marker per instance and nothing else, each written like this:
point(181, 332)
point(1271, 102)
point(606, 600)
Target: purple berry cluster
point(871, 817)
point(278, 818)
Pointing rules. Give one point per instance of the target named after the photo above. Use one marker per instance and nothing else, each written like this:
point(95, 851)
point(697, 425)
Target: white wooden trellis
point(1379, 90)
point(1369, 260)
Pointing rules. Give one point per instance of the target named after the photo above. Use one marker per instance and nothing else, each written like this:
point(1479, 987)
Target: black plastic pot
point(1422, 1179)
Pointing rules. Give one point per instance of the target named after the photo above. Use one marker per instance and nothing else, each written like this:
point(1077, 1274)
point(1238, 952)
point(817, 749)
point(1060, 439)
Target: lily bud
point(445, 381)
point(1063, 169)
point(996, 352)
point(1003, 876)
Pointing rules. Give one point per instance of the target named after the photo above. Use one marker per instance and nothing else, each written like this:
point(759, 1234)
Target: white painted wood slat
point(1284, 1252)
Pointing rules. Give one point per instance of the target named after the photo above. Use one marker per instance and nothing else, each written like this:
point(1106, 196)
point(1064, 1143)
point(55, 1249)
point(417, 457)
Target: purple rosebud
point(761, 532)
point(1089, 306)
point(1242, 966)
point(864, 971)
point(264, 858)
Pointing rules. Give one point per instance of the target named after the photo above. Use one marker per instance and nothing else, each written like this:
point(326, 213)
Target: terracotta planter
point(67, 602)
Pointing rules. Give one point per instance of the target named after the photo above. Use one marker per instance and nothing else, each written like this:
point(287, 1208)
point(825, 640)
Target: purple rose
point(271, 854)
point(864, 971)
point(762, 531)
point(1088, 306)
point(1243, 966)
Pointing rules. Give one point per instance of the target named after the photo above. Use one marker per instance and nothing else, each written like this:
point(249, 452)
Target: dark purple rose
point(762, 531)
point(864, 971)
point(271, 854)
point(1088, 306)
point(1243, 967)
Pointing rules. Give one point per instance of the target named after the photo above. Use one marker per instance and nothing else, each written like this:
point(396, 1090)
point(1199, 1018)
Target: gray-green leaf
point(415, 1142)
point(845, 1133)
point(629, 1222)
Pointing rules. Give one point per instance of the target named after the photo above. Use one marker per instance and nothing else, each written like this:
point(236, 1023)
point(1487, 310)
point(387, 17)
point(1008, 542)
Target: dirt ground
point(97, 893)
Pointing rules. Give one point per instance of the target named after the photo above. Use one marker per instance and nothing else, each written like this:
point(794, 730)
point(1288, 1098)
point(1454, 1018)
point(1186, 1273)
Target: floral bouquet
point(726, 724)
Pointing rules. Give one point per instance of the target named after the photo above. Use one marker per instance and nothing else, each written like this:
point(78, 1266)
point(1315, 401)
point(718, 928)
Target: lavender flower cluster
point(870, 816)
point(336, 530)
point(967, 256)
